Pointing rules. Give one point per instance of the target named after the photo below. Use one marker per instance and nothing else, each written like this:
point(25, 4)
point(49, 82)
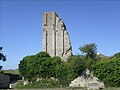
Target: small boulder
point(87, 80)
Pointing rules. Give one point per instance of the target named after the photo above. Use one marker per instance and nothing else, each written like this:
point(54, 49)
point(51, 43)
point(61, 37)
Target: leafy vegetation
point(89, 50)
point(70, 70)
point(42, 66)
point(44, 83)
point(39, 65)
point(2, 57)
point(108, 71)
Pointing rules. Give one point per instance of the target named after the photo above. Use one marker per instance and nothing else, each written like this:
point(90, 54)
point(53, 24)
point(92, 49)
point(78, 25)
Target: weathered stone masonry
point(55, 39)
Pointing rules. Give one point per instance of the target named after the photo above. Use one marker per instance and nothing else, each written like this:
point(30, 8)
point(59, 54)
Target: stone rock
point(25, 82)
point(78, 82)
point(87, 80)
point(55, 38)
point(94, 84)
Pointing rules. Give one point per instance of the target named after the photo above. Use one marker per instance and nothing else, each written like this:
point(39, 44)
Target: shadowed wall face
point(55, 39)
point(4, 80)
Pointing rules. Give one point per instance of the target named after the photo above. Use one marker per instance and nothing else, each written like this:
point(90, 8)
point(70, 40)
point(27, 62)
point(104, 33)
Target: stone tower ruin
point(55, 39)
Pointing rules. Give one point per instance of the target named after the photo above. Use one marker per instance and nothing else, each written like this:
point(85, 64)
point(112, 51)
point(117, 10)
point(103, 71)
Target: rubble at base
point(88, 81)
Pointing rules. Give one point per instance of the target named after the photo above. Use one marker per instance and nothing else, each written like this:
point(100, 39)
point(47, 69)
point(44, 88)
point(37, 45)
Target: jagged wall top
point(55, 39)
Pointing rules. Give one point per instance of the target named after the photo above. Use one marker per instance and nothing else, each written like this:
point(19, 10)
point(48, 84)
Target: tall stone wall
point(55, 39)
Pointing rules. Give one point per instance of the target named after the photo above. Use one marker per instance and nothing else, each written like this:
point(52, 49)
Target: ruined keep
point(55, 39)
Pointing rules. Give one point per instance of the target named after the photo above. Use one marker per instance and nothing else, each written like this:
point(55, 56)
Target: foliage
point(116, 56)
point(44, 83)
point(89, 63)
point(89, 50)
point(42, 65)
point(2, 57)
point(42, 55)
point(61, 74)
point(108, 71)
point(77, 65)
point(70, 70)
point(39, 65)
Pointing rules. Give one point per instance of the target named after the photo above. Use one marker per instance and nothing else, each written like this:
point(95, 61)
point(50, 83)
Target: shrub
point(42, 65)
point(44, 83)
point(39, 65)
point(108, 71)
point(70, 70)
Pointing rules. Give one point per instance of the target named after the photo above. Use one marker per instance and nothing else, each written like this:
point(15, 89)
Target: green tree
point(89, 50)
point(2, 57)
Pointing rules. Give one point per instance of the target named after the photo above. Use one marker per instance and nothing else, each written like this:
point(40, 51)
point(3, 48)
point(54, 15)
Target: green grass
point(45, 83)
point(112, 88)
point(17, 72)
point(11, 71)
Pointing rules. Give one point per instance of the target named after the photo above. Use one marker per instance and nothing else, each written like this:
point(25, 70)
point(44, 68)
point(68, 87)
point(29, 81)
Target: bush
point(43, 66)
point(39, 65)
point(70, 70)
point(108, 71)
point(44, 83)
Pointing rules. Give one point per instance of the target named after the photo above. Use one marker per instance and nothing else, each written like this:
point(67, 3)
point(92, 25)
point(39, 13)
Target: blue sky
point(87, 21)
